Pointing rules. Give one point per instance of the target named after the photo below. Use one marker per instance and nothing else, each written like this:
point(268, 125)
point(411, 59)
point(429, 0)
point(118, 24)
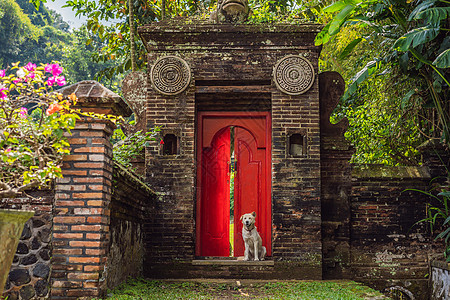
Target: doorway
point(228, 142)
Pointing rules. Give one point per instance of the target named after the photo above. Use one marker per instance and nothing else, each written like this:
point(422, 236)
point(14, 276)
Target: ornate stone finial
point(293, 75)
point(231, 11)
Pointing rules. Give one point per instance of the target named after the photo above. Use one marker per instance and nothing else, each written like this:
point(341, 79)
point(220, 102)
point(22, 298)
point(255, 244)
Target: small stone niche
point(296, 145)
point(170, 146)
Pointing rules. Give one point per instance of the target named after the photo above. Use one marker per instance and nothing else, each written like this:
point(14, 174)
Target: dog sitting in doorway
point(254, 250)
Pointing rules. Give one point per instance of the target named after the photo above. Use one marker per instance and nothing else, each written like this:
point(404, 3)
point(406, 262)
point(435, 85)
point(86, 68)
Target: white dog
point(254, 250)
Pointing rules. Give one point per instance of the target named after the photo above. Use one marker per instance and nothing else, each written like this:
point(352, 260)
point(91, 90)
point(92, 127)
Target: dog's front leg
point(256, 245)
point(246, 252)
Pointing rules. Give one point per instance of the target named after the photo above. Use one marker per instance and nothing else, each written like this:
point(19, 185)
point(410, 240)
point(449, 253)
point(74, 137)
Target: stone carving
point(293, 75)
point(170, 75)
point(231, 11)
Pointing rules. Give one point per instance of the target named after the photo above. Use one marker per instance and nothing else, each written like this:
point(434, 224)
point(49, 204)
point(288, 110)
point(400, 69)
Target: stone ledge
point(441, 264)
point(231, 262)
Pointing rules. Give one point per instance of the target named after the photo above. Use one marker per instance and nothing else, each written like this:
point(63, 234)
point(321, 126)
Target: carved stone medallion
point(293, 75)
point(170, 75)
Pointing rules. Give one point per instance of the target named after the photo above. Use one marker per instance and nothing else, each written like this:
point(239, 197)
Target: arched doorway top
point(212, 123)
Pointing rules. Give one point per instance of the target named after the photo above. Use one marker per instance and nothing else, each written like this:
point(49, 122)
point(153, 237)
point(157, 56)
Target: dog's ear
point(254, 214)
point(241, 217)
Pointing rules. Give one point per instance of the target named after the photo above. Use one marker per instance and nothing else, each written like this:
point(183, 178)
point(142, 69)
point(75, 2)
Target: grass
point(152, 289)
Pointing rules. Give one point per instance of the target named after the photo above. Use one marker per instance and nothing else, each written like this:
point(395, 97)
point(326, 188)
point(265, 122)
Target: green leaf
point(443, 234)
point(349, 48)
point(421, 7)
point(339, 19)
point(416, 37)
point(362, 75)
point(405, 100)
point(339, 5)
point(322, 37)
point(443, 60)
point(37, 3)
point(446, 221)
point(434, 15)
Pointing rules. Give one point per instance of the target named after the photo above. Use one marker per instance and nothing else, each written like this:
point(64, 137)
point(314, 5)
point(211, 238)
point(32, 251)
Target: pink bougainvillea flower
point(2, 73)
point(61, 80)
point(31, 75)
point(55, 107)
point(48, 68)
point(23, 112)
point(30, 67)
point(8, 150)
point(161, 142)
point(17, 80)
point(3, 95)
point(55, 69)
point(51, 81)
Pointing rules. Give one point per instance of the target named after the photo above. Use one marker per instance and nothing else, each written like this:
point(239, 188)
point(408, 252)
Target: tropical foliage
point(393, 55)
point(438, 217)
point(400, 91)
point(132, 146)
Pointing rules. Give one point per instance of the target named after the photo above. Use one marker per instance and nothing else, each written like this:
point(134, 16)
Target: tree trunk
point(163, 9)
point(132, 34)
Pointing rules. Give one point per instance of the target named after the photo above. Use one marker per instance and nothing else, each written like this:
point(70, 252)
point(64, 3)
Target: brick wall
point(131, 207)
point(367, 216)
point(243, 57)
point(386, 250)
point(30, 270)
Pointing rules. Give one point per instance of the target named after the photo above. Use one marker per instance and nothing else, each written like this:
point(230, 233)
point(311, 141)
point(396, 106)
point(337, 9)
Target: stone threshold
point(231, 262)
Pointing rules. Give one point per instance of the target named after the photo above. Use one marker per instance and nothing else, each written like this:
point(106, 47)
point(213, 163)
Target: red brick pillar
point(82, 201)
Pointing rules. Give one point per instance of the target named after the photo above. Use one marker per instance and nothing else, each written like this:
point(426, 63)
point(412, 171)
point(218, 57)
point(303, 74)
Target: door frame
point(239, 116)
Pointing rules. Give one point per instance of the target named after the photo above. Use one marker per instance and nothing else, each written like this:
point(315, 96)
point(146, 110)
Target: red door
point(250, 187)
point(252, 138)
point(215, 190)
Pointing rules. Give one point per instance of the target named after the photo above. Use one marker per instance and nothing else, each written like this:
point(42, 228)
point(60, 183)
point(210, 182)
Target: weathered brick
point(84, 244)
point(87, 260)
point(69, 203)
point(88, 211)
point(92, 203)
point(67, 235)
point(86, 227)
point(88, 165)
point(69, 220)
point(75, 157)
point(66, 172)
point(88, 195)
point(82, 276)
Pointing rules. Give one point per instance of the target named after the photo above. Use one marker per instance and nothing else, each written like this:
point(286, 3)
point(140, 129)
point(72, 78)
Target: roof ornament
point(230, 11)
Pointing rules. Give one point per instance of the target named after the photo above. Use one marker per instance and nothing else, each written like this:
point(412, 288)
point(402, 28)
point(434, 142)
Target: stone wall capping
point(94, 97)
point(163, 36)
point(387, 172)
point(134, 178)
point(189, 25)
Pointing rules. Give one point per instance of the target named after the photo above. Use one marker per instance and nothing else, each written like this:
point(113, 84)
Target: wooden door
point(250, 187)
point(252, 146)
point(215, 191)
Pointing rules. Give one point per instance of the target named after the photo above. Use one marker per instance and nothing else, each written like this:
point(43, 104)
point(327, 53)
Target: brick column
point(82, 200)
point(336, 184)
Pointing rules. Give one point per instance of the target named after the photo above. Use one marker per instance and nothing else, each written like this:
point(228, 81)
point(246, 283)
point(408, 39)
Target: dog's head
point(248, 219)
